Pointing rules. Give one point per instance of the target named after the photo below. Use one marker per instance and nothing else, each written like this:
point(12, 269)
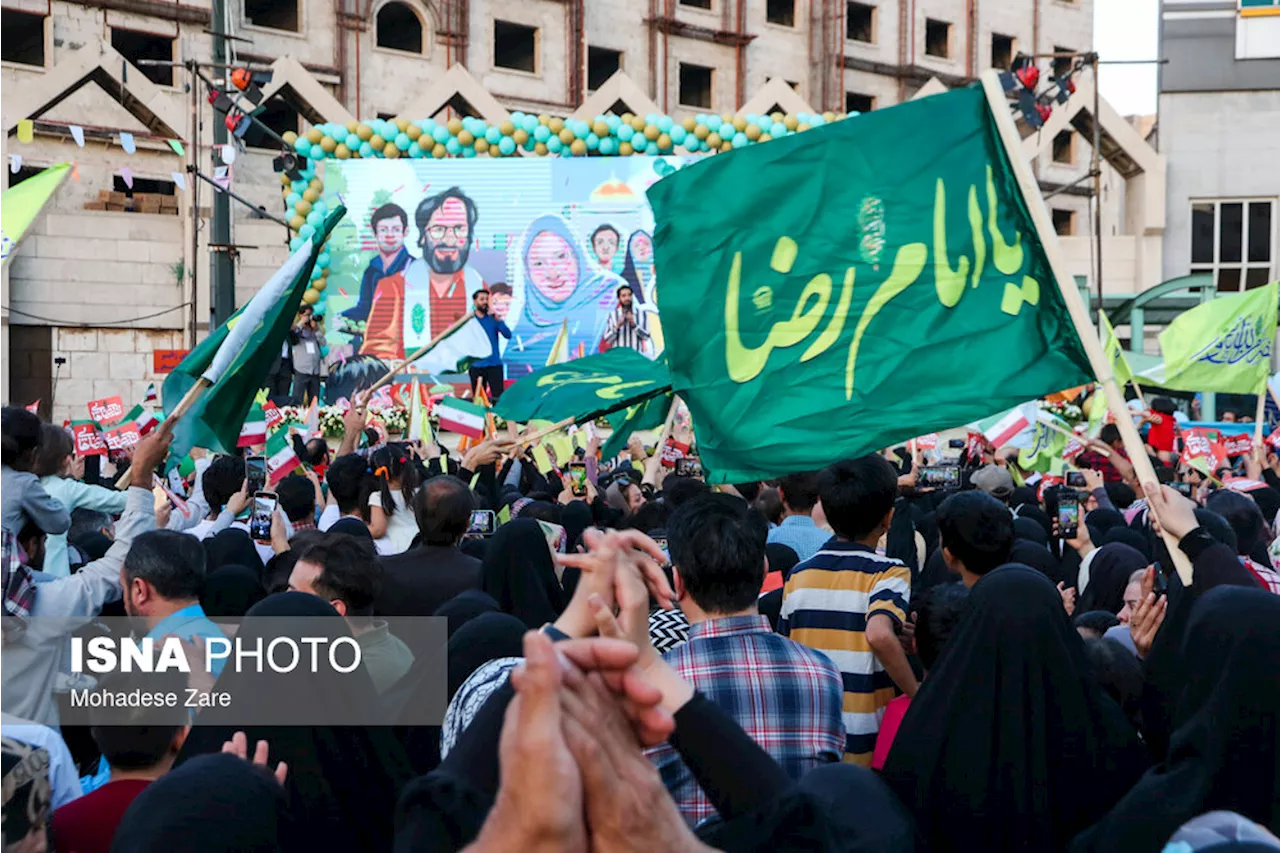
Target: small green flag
point(1047, 445)
point(237, 356)
point(1115, 353)
point(882, 279)
point(1223, 345)
point(21, 204)
point(584, 388)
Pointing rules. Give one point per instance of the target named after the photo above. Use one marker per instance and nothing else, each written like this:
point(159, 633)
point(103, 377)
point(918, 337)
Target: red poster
point(89, 442)
point(106, 411)
point(1238, 445)
point(123, 436)
point(1205, 444)
point(928, 442)
point(166, 360)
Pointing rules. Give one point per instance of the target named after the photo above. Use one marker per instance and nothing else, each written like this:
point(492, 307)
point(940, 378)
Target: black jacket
point(421, 579)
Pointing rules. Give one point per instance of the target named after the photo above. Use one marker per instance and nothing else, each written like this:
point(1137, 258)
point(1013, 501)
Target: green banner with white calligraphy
point(856, 285)
point(585, 388)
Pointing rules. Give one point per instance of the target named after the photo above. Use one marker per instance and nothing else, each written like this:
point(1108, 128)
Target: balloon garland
point(523, 133)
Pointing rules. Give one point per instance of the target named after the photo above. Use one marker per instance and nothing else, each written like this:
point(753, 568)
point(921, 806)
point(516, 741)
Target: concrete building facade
point(1219, 122)
point(122, 270)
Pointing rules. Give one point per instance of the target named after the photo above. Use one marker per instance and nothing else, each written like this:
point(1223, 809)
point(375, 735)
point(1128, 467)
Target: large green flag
point(237, 356)
point(649, 414)
point(1223, 345)
point(584, 388)
point(859, 284)
point(22, 203)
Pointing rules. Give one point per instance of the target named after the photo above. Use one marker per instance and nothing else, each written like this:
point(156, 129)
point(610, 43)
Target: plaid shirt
point(785, 696)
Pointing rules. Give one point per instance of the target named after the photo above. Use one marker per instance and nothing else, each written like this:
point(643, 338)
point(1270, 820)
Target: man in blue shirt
point(160, 581)
point(799, 494)
point(489, 370)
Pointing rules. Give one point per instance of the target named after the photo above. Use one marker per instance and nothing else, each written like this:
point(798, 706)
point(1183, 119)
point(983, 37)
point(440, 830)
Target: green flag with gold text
point(853, 286)
point(584, 388)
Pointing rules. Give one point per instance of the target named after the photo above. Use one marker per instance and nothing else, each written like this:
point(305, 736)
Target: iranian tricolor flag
point(461, 416)
point(143, 419)
point(281, 460)
point(254, 430)
point(1000, 429)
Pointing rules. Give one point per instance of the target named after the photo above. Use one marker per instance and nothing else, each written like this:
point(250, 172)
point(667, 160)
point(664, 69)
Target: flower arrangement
point(1069, 412)
point(396, 418)
point(331, 421)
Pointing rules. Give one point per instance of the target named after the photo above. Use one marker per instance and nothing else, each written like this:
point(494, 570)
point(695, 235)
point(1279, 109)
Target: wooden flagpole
point(391, 374)
point(526, 440)
point(171, 419)
point(1098, 360)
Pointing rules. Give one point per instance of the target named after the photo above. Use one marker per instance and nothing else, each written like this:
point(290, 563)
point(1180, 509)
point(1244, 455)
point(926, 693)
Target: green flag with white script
point(856, 285)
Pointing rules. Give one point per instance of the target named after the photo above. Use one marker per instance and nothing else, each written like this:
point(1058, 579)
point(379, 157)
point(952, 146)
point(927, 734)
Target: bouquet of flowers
point(395, 418)
point(1069, 412)
point(330, 421)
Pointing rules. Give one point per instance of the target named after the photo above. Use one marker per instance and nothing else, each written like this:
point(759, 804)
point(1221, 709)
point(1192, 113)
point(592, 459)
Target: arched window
point(399, 28)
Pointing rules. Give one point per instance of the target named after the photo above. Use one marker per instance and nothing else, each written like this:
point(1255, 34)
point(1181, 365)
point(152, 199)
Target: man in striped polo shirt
point(850, 602)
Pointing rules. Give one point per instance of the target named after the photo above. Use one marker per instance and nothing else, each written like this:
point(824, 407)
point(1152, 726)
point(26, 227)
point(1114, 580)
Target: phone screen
point(483, 523)
point(1075, 480)
point(1068, 518)
point(255, 471)
point(264, 506)
point(938, 476)
point(578, 478)
point(689, 466)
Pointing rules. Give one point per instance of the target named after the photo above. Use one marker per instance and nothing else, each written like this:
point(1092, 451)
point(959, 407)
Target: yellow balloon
point(566, 136)
point(311, 297)
point(753, 132)
point(482, 145)
point(455, 126)
point(316, 184)
point(739, 124)
point(600, 129)
point(402, 124)
point(701, 131)
point(296, 221)
point(624, 149)
point(540, 148)
point(413, 131)
point(713, 140)
point(342, 152)
point(764, 137)
point(579, 147)
point(466, 139)
point(689, 123)
point(303, 207)
point(520, 137)
point(290, 137)
point(311, 195)
point(802, 126)
point(376, 142)
point(320, 284)
point(726, 146)
point(328, 144)
point(314, 135)
point(543, 119)
point(627, 117)
point(638, 123)
point(776, 117)
point(364, 132)
point(284, 179)
point(439, 151)
point(556, 125)
point(353, 126)
point(664, 142)
point(790, 122)
point(651, 131)
point(391, 152)
point(507, 127)
point(828, 116)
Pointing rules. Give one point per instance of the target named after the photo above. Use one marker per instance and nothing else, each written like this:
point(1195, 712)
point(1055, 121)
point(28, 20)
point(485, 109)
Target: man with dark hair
point(389, 223)
point(421, 579)
point(799, 495)
point(850, 602)
point(785, 696)
point(297, 498)
point(678, 490)
point(419, 304)
point(489, 369)
point(349, 487)
point(161, 580)
point(604, 243)
point(226, 494)
point(138, 745)
point(1101, 461)
point(308, 341)
point(627, 327)
point(344, 570)
point(977, 534)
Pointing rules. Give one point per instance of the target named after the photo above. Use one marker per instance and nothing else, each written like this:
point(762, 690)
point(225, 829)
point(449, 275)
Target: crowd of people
point(843, 659)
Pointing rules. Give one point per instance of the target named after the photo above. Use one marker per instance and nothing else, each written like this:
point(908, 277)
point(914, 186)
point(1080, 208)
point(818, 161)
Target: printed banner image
point(551, 239)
